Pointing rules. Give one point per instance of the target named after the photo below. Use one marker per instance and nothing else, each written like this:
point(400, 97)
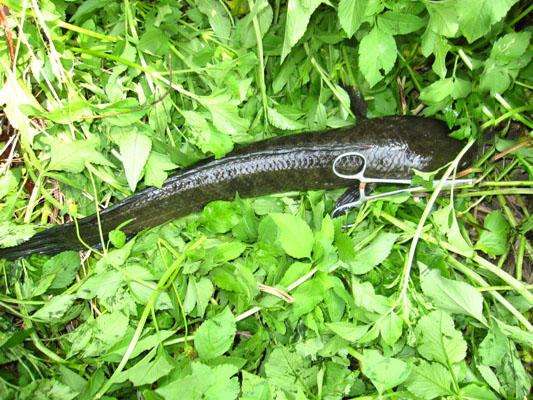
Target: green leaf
point(494, 238)
point(254, 387)
point(287, 370)
point(64, 267)
point(215, 336)
point(298, 15)
point(453, 296)
point(134, 150)
point(447, 223)
point(476, 17)
point(351, 15)
point(55, 308)
point(390, 328)
point(156, 169)
point(384, 372)
point(306, 297)
point(373, 254)
point(282, 122)
point(149, 370)
point(203, 383)
point(438, 340)
point(283, 229)
point(225, 115)
point(398, 23)
point(377, 55)
point(494, 347)
point(205, 136)
point(217, 16)
point(348, 330)
point(153, 41)
point(72, 156)
point(220, 216)
point(430, 380)
point(443, 18)
point(507, 57)
point(474, 391)
point(12, 234)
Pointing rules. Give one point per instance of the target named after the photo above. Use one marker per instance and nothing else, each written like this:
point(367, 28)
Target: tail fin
point(51, 241)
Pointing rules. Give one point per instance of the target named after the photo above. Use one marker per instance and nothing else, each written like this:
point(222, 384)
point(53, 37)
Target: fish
point(393, 146)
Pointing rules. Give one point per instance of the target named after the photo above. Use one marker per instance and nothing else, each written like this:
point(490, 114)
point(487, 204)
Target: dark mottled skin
point(391, 145)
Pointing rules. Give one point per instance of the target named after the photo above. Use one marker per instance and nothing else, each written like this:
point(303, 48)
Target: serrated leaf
point(453, 296)
point(157, 166)
point(72, 156)
point(55, 308)
point(384, 372)
point(134, 150)
point(215, 335)
point(288, 231)
point(398, 23)
point(438, 340)
point(377, 55)
point(430, 380)
point(493, 239)
point(348, 330)
point(298, 15)
point(476, 17)
point(373, 254)
point(351, 15)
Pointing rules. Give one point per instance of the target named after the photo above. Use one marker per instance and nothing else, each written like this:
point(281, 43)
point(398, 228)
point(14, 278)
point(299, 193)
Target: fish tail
point(50, 241)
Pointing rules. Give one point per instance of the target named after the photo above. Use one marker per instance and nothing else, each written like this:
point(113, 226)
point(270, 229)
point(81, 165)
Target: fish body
point(392, 146)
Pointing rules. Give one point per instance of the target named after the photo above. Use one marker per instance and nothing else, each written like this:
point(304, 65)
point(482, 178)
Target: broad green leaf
point(430, 380)
point(447, 223)
point(282, 122)
point(134, 150)
point(288, 231)
point(476, 17)
point(220, 216)
point(149, 369)
point(12, 234)
point(225, 115)
point(198, 295)
point(72, 156)
point(384, 372)
point(438, 340)
point(377, 53)
point(398, 23)
point(443, 18)
point(64, 267)
point(453, 296)
point(306, 297)
point(351, 15)
point(244, 30)
point(215, 335)
point(203, 383)
point(205, 136)
point(254, 387)
point(474, 391)
point(348, 330)
point(153, 41)
point(287, 370)
point(156, 169)
point(217, 16)
point(494, 347)
point(507, 57)
point(494, 238)
point(437, 91)
point(373, 254)
point(298, 15)
point(55, 308)
point(390, 328)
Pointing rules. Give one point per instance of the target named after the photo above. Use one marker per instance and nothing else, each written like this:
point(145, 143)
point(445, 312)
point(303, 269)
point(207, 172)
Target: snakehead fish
point(392, 146)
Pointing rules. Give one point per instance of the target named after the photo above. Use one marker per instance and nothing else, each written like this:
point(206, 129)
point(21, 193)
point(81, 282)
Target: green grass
point(423, 297)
